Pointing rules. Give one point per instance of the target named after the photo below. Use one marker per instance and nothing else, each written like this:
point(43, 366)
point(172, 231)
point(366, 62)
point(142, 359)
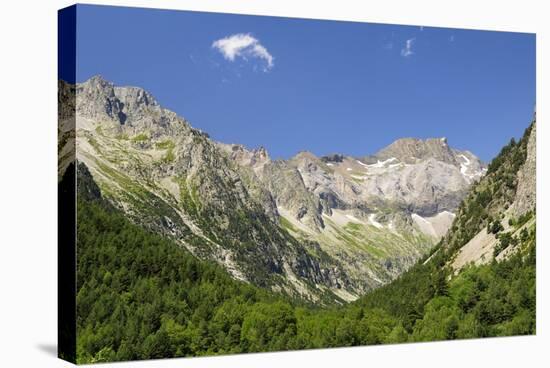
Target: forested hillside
point(489, 199)
point(140, 295)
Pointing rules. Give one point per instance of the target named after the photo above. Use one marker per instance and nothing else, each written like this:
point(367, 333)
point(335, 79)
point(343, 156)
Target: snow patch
point(466, 159)
point(464, 166)
point(342, 218)
point(329, 164)
point(380, 164)
point(395, 165)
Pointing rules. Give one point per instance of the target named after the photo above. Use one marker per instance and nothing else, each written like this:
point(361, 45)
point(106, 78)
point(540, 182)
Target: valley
point(324, 229)
point(207, 248)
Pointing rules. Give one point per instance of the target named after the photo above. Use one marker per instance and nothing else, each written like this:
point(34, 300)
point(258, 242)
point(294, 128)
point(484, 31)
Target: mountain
point(499, 210)
point(424, 183)
point(376, 215)
point(319, 228)
point(141, 296)
point(480, 280)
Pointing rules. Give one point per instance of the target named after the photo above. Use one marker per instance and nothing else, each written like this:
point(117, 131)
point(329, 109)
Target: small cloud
point(407, 50)
point(245, 46)
point(421, 28)
point(452, 38)
point(388, 46)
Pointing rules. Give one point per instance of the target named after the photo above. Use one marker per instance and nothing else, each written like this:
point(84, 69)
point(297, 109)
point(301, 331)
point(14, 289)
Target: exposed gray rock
point(173, 179)
point(410, 150)
point(526, 198)
point(310, 226)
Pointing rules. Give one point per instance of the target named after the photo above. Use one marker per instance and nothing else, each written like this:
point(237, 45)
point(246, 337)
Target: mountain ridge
point(323, 229)
point(199, 309)
point(189, 247)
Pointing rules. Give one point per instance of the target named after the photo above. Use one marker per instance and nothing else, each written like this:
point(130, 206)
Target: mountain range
point(323, 229)
point(187, 246)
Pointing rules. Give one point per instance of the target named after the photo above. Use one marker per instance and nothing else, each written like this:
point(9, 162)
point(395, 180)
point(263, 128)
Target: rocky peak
point(99, 99)
point(307, 162)
point(254, 158)
point(261, 154)
point(97, 82)
point(304, 159)
point(304, 155)
point(134, 98)
point(410, 150)
point(96, 100)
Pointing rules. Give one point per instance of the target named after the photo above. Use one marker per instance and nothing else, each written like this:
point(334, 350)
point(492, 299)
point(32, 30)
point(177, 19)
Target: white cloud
point(407, 50)
point(452, 38)
point(243, 45)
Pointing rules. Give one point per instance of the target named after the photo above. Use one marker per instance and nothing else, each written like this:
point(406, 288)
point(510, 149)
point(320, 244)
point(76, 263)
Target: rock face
point(376, 215)
point(324, 229)
point(506, 196)
point(527, 179)
point(428, 178)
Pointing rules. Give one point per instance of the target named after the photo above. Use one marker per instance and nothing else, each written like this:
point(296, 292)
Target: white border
point(29, 164)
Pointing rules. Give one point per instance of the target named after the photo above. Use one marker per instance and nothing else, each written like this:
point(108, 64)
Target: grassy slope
point(256, 245)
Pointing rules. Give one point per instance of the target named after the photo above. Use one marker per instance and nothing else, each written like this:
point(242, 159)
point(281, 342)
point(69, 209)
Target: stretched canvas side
point(66, 297)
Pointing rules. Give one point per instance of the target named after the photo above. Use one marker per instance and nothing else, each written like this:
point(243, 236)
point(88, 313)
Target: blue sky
point(322, 86)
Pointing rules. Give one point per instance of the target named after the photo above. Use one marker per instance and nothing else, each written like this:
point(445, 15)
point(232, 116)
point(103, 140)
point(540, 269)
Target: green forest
point(141, 296)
